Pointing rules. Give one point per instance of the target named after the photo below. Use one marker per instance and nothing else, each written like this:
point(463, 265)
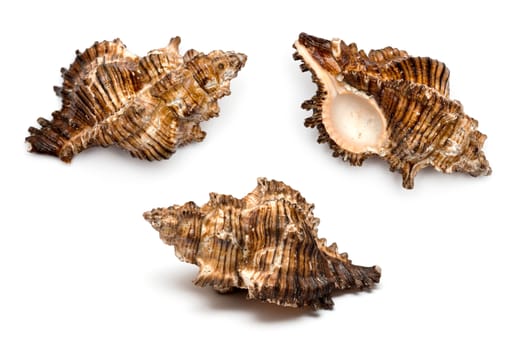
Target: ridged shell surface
point(389, 104)
point(148, 105)
point(265, 242)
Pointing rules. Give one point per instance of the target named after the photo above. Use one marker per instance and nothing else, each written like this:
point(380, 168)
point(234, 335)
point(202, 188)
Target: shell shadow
point(180, 281)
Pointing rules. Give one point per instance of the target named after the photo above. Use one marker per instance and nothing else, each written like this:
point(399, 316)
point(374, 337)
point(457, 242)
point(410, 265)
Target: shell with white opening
point(389, 104)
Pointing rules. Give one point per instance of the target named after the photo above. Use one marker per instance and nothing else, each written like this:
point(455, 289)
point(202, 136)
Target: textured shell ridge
point(422, 126)
point(265, 242)
point(147, 105)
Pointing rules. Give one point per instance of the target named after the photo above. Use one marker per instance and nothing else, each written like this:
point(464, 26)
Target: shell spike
point(334, 247)
point(174, 44)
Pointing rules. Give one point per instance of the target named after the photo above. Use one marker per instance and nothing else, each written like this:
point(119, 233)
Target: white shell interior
point(354, 122)
point(352, 119)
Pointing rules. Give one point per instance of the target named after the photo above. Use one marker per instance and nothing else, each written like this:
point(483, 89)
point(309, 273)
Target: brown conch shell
point(265, 242)
point(148, 105)
point(389, 104)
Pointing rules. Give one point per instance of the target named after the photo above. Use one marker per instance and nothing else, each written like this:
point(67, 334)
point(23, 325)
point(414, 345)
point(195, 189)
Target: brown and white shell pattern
point(148, 105)
point(389, 104)
point(265, 242)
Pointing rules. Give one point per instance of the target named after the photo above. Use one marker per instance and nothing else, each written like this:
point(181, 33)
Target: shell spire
point(265, 242)
point(389, 104)
point(148, 105)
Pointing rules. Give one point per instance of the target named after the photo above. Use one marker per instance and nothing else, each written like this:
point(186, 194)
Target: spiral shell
point(148, 105)
point(389, 104)
point(265, 242)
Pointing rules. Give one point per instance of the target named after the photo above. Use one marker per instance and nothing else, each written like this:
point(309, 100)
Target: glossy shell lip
point(352, 118)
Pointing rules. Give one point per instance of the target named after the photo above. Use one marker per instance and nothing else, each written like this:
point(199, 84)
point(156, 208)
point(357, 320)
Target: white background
point(81, 269)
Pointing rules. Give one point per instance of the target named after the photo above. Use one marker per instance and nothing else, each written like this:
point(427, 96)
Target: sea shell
point(265, 242)
point(147, 105)
point(389, 104)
